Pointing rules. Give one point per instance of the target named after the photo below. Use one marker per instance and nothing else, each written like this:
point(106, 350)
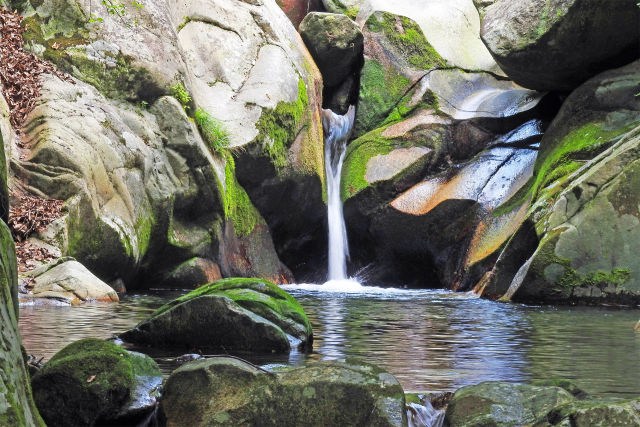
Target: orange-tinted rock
point(296, 10)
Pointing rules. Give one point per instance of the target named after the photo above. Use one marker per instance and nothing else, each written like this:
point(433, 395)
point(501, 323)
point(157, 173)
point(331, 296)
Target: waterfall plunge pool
point(431, 340)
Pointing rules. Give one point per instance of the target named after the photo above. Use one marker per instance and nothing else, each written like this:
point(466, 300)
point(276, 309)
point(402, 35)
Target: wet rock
point(504, 404)
point(230, 314)
point(92, 381)
point(192, 273)
point(598, 412)
point(335, 42)
point(296, 10)
point(223, 391)
point(68, 281)
point(543, 45)
point(577, 241)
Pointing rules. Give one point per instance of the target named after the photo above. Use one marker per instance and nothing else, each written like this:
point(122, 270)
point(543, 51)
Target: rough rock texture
point(230, 314)
point(92, 380)
point(335, 42)
point(503, 404)
point(225, 391)
point(296, 10)
point(594, 413)
point(348, 7)
point(152, 192)
point(558, 44)
point(577, 242)
point(68, 281)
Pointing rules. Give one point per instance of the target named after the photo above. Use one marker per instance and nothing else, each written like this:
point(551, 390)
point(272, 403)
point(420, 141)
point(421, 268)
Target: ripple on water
point(431, 340)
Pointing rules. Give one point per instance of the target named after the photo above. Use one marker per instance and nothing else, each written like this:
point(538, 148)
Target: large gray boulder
point(335, 42)
point(226, 391)
point(558, 44)
point(575, 222)
point(230, 314)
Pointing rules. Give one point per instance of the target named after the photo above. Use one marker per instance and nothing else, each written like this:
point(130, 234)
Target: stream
point(431, 340)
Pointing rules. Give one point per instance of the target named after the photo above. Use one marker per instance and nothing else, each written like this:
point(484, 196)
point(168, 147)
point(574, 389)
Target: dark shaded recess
point(294, 210)
point(332, 96)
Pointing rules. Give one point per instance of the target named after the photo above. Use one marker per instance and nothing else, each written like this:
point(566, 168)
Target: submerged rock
point(226, 391)
point(230, 314)
point(91, 381)
point(68, 281)
point(545, 45)
point(335, 42)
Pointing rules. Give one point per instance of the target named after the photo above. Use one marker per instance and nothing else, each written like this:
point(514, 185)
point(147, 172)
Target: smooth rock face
point(232, 314)
point(69, 281)
point(92, 381)
point(226, 391)
point(558, 44)
point(578, 242)
point(504, 404)
point(335, 42)
point(141, 181)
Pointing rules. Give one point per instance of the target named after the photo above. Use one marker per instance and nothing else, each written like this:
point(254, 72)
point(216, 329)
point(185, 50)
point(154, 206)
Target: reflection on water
point(430, 340)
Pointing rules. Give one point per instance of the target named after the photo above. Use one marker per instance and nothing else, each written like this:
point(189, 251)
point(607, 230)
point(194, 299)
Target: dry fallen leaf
point(91, 378)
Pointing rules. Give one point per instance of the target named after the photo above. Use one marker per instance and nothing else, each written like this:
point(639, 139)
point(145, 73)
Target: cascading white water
point(337, 129)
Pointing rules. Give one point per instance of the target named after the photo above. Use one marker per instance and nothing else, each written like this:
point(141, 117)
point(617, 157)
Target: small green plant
point(115, 8)
point(180, 93)
point(212, 130)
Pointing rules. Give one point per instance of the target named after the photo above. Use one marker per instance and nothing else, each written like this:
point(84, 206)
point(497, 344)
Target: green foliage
point(212, 130)
point(179, 92)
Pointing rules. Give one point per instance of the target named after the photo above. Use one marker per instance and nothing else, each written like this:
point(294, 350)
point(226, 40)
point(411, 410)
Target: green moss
point(237, 205)
point(256, 295)
point(212, 130)
point(380, 90)
point(403, 110)
point(278, 128)
point(358, 155)
point(407, 37)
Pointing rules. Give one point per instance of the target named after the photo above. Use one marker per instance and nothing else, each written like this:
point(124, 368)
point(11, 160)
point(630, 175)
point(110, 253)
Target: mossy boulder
point(577, 240)
point(348, 7)
point(226, 391)
point(597, 412)
point(542, 44)
point(335, 42)
point(230, 314)
point(91, 381)
point(501, 403)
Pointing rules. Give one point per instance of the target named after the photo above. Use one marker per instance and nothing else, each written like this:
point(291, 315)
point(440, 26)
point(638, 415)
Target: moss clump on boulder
point(232, 314)
point(89, 381)
point(226, 391)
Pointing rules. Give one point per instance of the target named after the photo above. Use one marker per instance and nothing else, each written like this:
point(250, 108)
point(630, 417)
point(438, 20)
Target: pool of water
point(430, 340)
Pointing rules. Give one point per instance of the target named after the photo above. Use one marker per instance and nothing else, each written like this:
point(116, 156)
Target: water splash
point(337, 130)
point(424, 415)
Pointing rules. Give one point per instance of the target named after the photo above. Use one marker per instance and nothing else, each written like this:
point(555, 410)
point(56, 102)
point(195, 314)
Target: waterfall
point(337, 129)
point(424, 415)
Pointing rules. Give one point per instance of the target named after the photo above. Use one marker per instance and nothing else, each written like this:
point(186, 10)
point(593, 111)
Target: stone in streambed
point(335, 42)
point(69, 282)
point(92, 381)
point(231, 314)
point(228, 391)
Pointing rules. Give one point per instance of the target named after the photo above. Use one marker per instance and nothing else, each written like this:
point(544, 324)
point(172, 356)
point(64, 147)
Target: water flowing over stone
point(424, 415)
point(337, 130)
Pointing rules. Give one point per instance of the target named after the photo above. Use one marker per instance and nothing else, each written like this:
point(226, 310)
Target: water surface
point(430, 340)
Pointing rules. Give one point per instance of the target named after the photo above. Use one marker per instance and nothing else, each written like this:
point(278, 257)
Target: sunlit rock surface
point(578, 240)
point(223, 391)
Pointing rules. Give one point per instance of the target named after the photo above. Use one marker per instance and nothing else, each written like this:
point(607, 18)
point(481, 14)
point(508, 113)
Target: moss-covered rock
point(90, 381)
point(232, 314)
point(335, 42)
point(224, 391)
point(581, 242)
point(348, 7)
point(540, 45)
point(597, 412)
point(503, 404)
